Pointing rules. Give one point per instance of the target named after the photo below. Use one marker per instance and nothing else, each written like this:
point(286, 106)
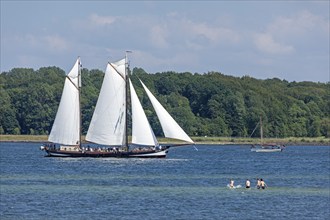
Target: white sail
point(142, 132)
point(120, 67)
point(108, 122)
point(66, 127)
point(169, 125)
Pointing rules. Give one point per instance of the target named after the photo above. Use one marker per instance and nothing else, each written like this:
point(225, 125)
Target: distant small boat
point(266, 147)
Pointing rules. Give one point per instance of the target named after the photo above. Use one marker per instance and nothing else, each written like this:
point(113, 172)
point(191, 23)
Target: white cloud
point(212, 33)
point(284, 34)
point(181, 32)
point(199, 35)
point(266, 43)
point(56, 42)
point(50, 42)
point(177, 62)
point(158, 36)
point(101, 20)
point(298, 24)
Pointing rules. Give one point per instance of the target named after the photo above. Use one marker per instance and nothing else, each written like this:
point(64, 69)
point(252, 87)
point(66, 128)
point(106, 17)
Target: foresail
point(108, 122)
point(142, 133)
point(66, 127)
point(169, 125)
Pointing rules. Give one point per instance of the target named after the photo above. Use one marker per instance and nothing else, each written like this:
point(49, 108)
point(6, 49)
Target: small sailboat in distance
point(265, 147)
point(109, 125)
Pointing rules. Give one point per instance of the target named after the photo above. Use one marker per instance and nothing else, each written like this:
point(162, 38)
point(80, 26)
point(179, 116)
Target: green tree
point(297, 121)
point(8, 119)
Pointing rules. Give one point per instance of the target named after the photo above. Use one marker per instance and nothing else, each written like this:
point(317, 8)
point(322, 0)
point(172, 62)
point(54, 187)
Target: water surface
point(188, 184)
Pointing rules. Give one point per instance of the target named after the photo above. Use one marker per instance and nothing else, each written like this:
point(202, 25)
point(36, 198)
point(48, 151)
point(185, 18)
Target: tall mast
point(79, 92)
point(126, 98)
point(261, 131)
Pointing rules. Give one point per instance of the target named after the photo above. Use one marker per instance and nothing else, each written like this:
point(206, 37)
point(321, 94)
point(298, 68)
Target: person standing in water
point(263, 184)
point(231, 185)
point(247, 184)
point(258, 183)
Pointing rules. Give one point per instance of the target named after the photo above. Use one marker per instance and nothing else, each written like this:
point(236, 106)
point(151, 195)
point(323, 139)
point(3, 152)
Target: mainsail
point(169, 125)
point(108, 122)
point(66, 127)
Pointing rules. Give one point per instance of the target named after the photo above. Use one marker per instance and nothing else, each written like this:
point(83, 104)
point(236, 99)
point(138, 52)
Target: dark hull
point(96, 154)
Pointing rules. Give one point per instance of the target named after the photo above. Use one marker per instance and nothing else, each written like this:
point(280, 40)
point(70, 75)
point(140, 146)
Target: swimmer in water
point(258, 183)
point(231, 185)
point(263, 184)
point(247, 184)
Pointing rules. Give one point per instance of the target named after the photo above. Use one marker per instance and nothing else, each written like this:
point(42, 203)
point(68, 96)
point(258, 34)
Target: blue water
point(188, 184)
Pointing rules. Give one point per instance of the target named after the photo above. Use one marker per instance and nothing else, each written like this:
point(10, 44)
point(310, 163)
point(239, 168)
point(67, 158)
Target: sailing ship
point(108, 129)
point(265, 147)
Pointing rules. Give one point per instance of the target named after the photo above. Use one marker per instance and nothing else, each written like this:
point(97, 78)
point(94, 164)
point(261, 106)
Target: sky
point(288, 40)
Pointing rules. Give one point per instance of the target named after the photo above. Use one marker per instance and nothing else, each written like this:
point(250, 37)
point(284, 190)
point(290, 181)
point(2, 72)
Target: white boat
point(266, 147)
point(109, 124)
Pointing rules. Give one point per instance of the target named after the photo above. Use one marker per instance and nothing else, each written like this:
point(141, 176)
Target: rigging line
point(72, 82)
point(254, 129)
point(195, 147)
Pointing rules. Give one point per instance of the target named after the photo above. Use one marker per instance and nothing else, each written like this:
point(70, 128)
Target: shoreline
point(198, 140)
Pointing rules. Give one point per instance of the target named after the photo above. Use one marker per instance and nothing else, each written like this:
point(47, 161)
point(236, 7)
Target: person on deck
point(247, 184)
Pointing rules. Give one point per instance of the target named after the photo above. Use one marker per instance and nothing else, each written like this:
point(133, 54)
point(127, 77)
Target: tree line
point(210, 104)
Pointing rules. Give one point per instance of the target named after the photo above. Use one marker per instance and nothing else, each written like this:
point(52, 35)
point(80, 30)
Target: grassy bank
point(285, 141)
point(198, 140)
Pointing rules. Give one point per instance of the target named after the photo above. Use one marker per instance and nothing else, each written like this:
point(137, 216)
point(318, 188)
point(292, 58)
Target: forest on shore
point(210, 104)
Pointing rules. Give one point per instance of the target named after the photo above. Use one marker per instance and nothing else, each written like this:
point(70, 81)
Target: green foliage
point(8, 121)
point(211, 104)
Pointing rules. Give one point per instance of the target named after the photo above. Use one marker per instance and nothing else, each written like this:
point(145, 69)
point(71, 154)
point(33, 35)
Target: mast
point(261, 131)
point(126, 98)
point(79, 92)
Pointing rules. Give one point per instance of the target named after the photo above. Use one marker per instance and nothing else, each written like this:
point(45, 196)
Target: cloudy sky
point(263, 39)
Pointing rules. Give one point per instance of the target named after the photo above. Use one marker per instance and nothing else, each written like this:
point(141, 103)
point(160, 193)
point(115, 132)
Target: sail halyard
point(170, 127)
point(66, 126)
